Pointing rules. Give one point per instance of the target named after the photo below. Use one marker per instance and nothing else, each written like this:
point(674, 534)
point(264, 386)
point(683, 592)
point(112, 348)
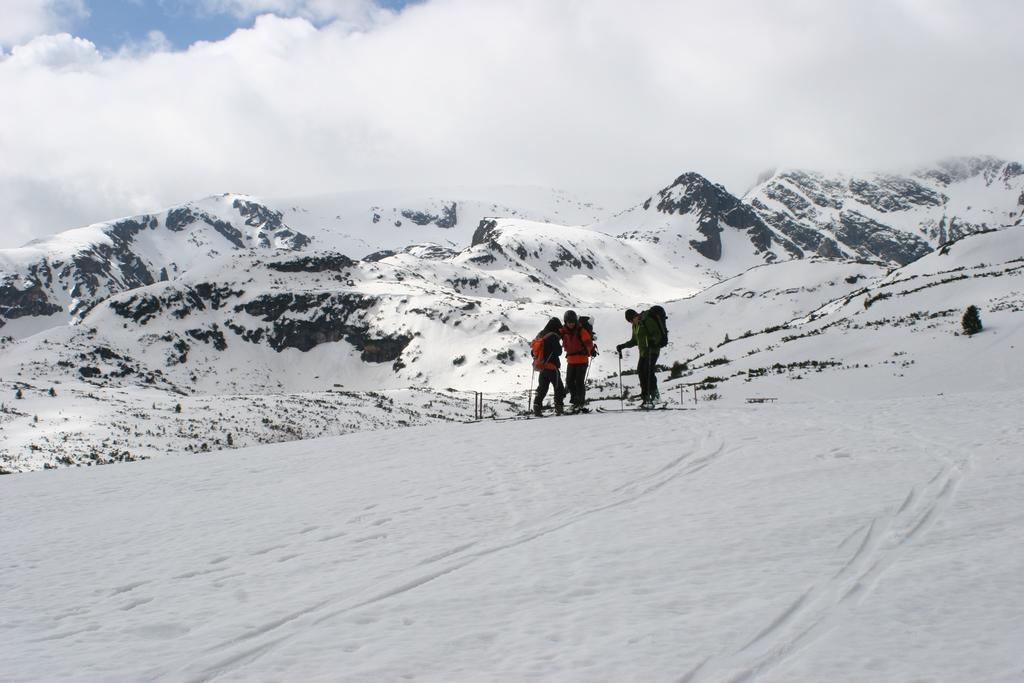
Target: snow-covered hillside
point(850, 540)
point(50, 282)
point(897, 335)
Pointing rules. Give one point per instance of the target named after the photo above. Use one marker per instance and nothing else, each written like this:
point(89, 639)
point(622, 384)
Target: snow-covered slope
point(52, 281)
point(900, 335)
point(852, 540)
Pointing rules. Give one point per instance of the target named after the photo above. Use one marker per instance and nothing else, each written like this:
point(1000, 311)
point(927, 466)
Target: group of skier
point(575, 336)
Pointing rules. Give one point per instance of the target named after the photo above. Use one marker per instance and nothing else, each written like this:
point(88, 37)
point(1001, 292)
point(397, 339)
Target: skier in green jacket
point(647, 336)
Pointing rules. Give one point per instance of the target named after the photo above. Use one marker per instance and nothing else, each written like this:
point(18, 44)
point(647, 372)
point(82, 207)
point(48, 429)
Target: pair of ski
point(655, 408)
point(531, 416)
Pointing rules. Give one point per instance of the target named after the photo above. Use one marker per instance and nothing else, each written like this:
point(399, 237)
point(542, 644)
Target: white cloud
point(55, 52)
point(21, 20)
point(557, 92)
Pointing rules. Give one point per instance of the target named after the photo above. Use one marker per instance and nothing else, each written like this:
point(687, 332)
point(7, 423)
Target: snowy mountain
point(892, 218)
point(53, 281)
point(701, 223)
point(267, 321)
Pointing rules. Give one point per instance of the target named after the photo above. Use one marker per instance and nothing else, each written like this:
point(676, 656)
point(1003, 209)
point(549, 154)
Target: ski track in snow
point(733, 548)
point(818, 609)
point(232, 654)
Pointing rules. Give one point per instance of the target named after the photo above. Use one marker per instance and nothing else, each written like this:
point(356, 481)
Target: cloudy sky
point(113, 107)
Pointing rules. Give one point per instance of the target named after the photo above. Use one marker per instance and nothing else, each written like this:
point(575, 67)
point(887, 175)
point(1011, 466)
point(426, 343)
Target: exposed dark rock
point(180, 352)
point(894, 193)
point(487, 231)
point(209, 335)
point(822, 191)
point(333, 319)
point(447, 219)
point(227, 231)
point(18, 301)
point(179, 219)
point(797, 204)
point(807, 238)
point(271, 224)
point(140, 308)
point(566, 258)
point(379, 255)
point(829, 249)
point(315, 264)
point(872, 239)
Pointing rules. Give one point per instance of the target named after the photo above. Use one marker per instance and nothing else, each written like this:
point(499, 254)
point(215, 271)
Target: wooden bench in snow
point(762, 399)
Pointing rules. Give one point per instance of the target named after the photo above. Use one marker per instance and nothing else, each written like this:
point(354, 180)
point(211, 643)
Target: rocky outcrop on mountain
point(893, 218)
point(446, 218)
point(53, 281)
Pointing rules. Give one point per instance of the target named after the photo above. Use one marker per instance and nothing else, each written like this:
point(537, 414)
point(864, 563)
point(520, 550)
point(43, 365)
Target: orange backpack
point(537, 347)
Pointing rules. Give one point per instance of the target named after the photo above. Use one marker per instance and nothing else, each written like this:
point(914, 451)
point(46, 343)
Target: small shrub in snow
point(971, 321)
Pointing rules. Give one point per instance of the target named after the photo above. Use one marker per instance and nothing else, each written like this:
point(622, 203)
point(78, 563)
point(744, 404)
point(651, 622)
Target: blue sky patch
point(112, 24)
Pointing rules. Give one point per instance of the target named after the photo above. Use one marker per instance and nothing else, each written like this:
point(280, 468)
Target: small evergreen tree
point(971, 321)
point(18, 394)
point(678, 369)
point(53, 392)
point(231, 441)
point(177, 408)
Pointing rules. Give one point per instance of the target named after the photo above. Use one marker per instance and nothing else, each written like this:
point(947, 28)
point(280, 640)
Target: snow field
point(843, 541)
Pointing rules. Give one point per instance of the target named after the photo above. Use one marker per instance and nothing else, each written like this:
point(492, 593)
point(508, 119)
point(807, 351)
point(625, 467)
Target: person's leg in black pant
point(574, 379)
point(652, 383)
point(559, 391)
point(542, 390)
point(644, 374)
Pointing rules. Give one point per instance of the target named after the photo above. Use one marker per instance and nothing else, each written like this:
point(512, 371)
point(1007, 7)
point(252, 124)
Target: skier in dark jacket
point(547, 364)
point(647, 336)
point(579, 347)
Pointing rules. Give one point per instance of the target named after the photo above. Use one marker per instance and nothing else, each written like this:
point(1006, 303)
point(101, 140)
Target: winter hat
point(630, 314)
point(570, 317)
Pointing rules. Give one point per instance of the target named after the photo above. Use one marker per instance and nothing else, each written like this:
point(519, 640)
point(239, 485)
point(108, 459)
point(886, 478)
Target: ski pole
point(620, 382)
point(529, 394)
point(650, 378)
